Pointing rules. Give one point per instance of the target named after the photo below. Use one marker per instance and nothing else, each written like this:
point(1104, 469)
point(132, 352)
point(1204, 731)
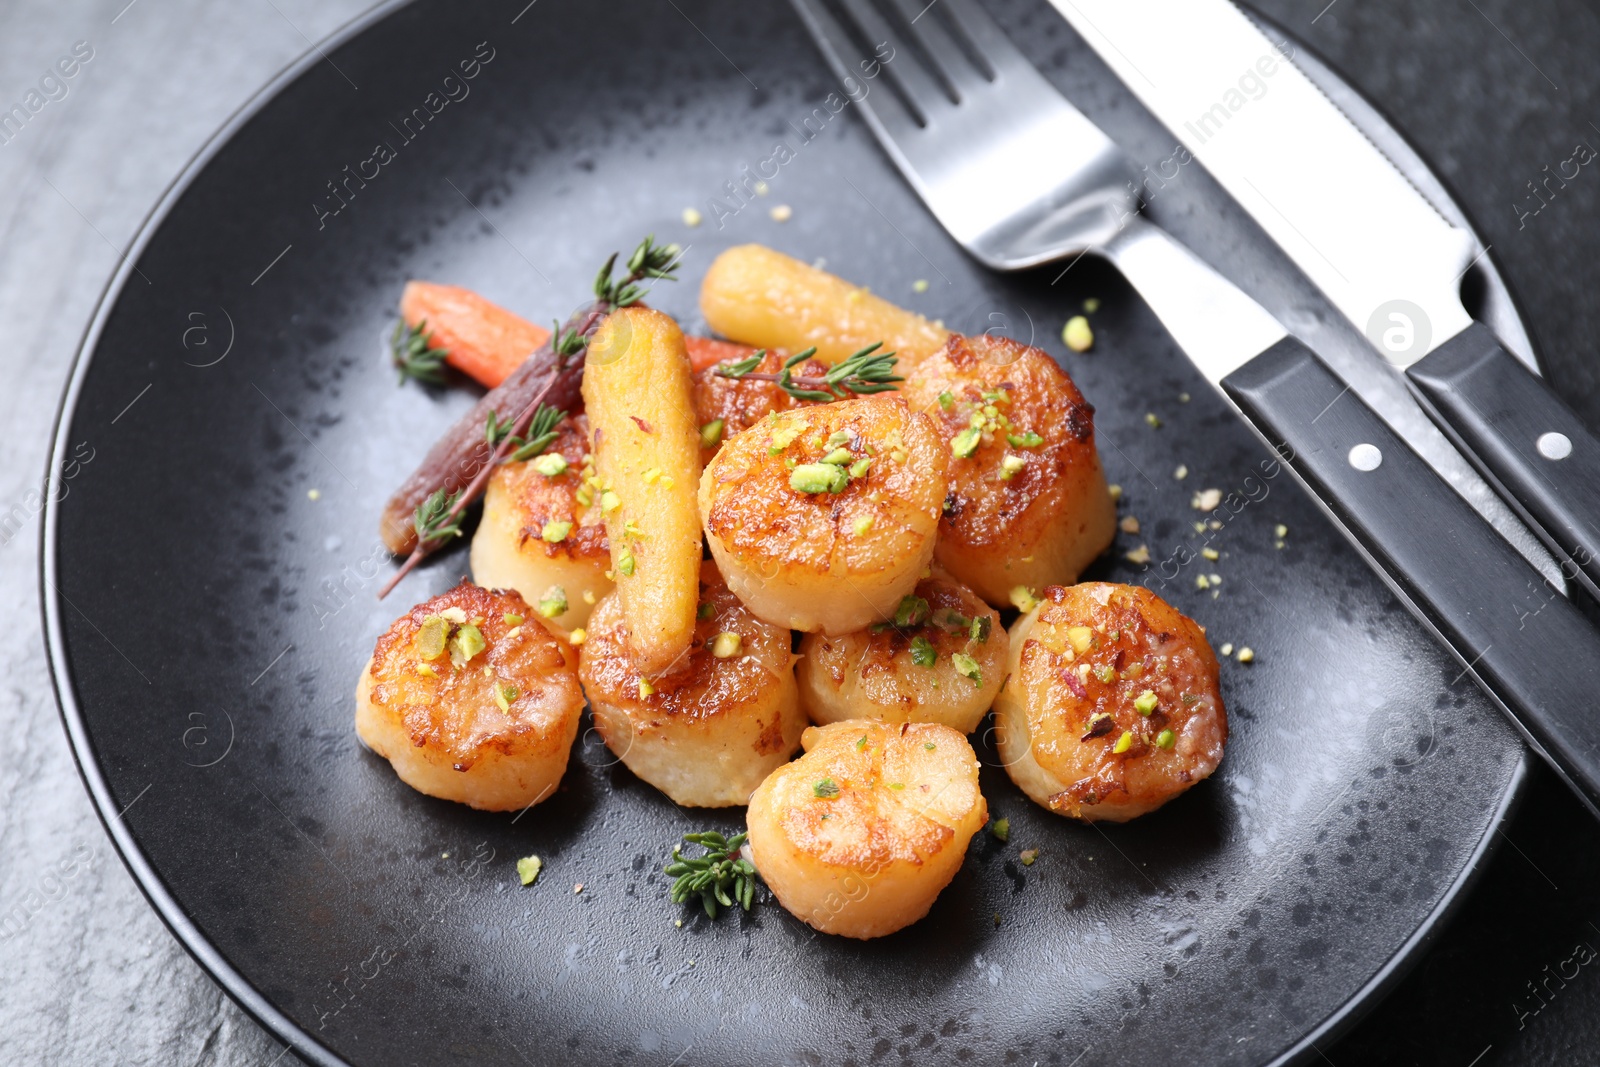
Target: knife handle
point(1526, 442)
point(1524, 643)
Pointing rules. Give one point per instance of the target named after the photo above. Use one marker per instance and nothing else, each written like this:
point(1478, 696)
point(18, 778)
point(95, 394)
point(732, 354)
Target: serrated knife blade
point(1365, 236)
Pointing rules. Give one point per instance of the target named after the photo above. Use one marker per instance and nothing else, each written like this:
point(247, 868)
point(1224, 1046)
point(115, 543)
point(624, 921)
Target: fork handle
point(1525, 441)
point(1524, 643)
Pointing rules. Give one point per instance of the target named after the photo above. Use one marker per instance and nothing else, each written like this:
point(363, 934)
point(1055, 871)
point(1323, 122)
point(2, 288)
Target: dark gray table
point(1491, 90)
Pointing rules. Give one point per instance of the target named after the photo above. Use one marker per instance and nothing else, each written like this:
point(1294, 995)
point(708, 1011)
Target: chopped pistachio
point(1210, 553)
point(646, 689)
point(838, 457)
point(467, 642)
point(1023, 599)
point(455, 615)
point(528, 868)
point(816, 478)
point(966, 442)
point(912, 611)
point(705, 611)
point(1001, 829)
point(1207, 500)
point(551, 464)
point(1152, 421)
point(588, 597)
point(511, 618)
point(947, 400)
point(1026, 439)
point(727, 645)
point(923, 654)
point(554, 602)
point(1081, 638)
point(1247, 655)
point(898, 455)
point(431, 636)
point(1077, 335)
point(1280, 531)
point(978, 629)
point(426, 670)
point(1227, 649)
point(1145, 703)
point(711, 433)
point(897, 785)
point(1129, 524)
point(860, 467)
point(555, 532)
point(967, 667)
point(609, 502)
point(652, 476)
point(1092, 305)
point(1027, 856)
point(504, 694)
point(1115, 492)
point(1166, 739)
point(826, 789)
point(1181, 472)
point(1010, 465)
point(1124, 742)
point(928, 746)
point(785, 434)
point(863, 524)
point(667, 481)
point(1140, 555)
point(578, 637)
point(920, 285)
point(837, 439)
point(625, 562)
point(583, 496)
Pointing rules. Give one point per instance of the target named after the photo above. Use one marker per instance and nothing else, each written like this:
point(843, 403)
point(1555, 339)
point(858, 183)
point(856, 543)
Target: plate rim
point(150, 882)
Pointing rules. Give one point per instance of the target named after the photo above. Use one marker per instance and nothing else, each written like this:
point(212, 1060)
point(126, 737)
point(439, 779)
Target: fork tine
point(844, 54)
point(989, 40)
point(954, 57)
point(923, 91)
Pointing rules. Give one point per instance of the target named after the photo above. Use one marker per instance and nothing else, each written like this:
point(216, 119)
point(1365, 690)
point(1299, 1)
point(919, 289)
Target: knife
point(1353, 224)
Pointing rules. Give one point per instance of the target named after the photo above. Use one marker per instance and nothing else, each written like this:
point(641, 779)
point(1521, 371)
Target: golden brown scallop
point(472, 699)
point(728, 406)
point(541, 532)
point(1028, 503)
point(861, 834)
point(1112, 707)
point(710, 731)
point(941, 658)
point(823, 518)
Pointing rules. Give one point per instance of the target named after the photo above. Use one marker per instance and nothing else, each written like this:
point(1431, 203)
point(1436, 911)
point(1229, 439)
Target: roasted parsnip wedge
point(823, 518)
point(859, 836)
point(1112, 707)
point(1028, 503)
point(940, 658)
point(541, 532)
point(709, 732)
point(472, 699)
point(764, 298)
point(639, 396)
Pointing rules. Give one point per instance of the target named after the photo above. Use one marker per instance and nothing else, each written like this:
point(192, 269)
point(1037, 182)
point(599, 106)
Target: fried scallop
point(707, 733)
point(472, 699)
point(541, 532)
point(1028, 503)
point(1112, 707)
point(823, 518)
point(941, 659)
point(726, 406)
point(859, 836)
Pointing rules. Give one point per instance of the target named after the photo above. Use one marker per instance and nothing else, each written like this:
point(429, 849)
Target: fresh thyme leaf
point(867, 371)
point(414, 355)
point(541, 434)
point(566, 343)
point(433, 521)
point(649, 261)
point(721, 877)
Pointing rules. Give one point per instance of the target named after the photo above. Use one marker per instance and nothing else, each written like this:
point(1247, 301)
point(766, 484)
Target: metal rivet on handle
point(1365, 457)
point(1554, 445)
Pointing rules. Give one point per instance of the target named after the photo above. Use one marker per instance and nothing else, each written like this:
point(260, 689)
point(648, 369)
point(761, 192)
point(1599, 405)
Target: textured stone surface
point(1491, 93)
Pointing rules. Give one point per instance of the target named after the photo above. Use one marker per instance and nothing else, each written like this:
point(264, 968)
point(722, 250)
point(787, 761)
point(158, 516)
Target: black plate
point(208, 618)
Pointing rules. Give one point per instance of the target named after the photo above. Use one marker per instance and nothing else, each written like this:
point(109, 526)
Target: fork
point(1020, 178)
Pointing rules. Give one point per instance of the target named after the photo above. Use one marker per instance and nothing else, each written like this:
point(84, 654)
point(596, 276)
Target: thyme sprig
point(542, 432)
point(414, 354)
point(648, 262)
point(867, 371)
point(437, 518)
point(720, 877)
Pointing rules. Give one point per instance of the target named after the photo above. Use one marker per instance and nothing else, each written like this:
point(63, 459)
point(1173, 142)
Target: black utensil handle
point(1526, 442)
point(1526, 645)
